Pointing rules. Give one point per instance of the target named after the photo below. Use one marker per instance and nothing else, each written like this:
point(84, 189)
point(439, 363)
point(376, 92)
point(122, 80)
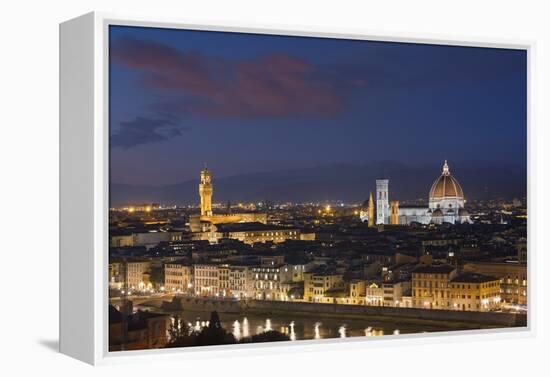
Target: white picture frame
point(84, 147)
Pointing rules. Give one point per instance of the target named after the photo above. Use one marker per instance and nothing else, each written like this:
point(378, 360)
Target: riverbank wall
point(484, 319)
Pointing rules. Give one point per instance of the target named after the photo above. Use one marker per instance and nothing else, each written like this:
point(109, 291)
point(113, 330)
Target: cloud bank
point(271, 86)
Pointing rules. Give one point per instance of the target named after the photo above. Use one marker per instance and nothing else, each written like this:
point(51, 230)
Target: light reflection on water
point(317, 334)
point(342, 331)
point(296, 329)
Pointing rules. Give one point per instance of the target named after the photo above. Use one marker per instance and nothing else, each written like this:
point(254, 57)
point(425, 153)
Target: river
point(299, 327)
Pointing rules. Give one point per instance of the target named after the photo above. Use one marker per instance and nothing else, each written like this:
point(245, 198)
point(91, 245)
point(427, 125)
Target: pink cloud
point(269, 86)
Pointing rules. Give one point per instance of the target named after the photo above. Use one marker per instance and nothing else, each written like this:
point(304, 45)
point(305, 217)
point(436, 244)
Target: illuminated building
point(152, 238)
point(206, 190)
point(142, 238)
point(442, 287)
point(357, 293)
point(138, 275)
point(203, 221)
point(393, 292)
point(239, 282)
point(382, 205)
point(206, 279)
point(121, 239)
point(431, 286)
point(292, 273)
point(446, 204)
point(357, 289)
point(446, 200)
point(178, 277)
point(367, 211)
point(266, 283)
point(250, 233)
point(135, 275)
point(370, 210)
point(221, 280)
point(394, 212)
point(475, 292)
point(318, 282)
point(374, 295)
point(512, 278)
point(115, 275)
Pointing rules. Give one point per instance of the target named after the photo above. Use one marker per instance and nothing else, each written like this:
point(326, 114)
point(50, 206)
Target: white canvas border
point(100, 173)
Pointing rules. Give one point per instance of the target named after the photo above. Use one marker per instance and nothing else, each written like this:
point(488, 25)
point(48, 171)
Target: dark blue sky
point(249, 103)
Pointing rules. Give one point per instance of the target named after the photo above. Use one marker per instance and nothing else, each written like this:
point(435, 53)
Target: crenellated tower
point(205, 191)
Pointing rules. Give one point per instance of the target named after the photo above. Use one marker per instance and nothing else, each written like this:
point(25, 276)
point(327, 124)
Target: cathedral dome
point(446, 186)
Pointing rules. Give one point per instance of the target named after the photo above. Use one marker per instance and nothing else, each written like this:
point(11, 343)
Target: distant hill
point(479, 180)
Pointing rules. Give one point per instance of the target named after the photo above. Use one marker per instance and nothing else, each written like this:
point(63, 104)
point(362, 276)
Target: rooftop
point(244, 227)
point(435, 269)
point(470, 277)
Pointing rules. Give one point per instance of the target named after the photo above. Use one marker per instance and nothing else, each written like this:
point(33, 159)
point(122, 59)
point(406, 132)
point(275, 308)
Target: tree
point(268, 336)
point(157, 276)
point(214, 333)
point(180, 335)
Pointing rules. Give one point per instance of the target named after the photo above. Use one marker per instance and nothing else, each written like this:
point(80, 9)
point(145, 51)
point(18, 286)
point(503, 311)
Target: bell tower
point(394, 212)
point(205, 191)
point(382, 201)
point(370, 211)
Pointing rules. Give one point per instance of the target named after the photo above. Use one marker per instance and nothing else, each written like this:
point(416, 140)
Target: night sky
point(248, 103)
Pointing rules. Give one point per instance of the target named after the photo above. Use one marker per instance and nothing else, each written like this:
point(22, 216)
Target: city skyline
point(333, 182)
point(272, 188)
point(176, 103)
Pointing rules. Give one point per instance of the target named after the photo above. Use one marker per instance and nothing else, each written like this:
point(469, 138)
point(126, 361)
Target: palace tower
point(205, 191)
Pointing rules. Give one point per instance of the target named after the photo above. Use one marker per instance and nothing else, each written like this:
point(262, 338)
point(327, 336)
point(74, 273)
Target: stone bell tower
point(382, 201)
point(205, 191)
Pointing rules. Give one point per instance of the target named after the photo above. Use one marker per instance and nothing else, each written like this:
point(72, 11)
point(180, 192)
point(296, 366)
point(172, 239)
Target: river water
point(300, 327)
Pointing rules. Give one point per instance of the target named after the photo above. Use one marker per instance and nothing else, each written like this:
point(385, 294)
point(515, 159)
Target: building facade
point(266, 283)
point(178, 277)
point(475, 292)
point(206, 279)
point(251, 233)
point(316, 284)
point(512, 278)
point(374, 294)
point(382, 201)
point(431, 286)
point(134, 275)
